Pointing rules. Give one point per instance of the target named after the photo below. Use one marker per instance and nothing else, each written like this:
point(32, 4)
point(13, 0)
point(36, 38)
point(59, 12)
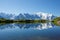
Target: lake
point(29, 31)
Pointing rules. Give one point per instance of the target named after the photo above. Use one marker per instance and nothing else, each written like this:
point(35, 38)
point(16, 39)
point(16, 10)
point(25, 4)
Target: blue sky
point(30, 6)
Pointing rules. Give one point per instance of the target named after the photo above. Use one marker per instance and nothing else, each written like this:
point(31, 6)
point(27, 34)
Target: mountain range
point(27, 16)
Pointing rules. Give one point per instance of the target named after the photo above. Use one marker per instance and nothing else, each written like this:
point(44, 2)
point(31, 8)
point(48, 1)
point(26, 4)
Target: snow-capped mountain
point(6, 16)
point(31, 16)
point(20, 16)
point(46, 16)
point(27, 16)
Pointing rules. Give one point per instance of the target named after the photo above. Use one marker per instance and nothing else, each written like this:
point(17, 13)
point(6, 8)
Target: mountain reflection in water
point(39, 26)
point(29, 31)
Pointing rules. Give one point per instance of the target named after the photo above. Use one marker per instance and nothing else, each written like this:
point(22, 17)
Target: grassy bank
point(23, 21)
point(56, 21)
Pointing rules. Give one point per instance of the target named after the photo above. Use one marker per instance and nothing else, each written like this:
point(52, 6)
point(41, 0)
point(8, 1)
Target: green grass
point(56, 20)
point(2, 20)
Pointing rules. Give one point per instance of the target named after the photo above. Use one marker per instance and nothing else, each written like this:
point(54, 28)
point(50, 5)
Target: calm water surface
point(29, 31)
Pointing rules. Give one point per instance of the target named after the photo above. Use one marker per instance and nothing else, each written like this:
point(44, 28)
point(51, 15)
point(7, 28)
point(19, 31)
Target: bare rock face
point(58, 22)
